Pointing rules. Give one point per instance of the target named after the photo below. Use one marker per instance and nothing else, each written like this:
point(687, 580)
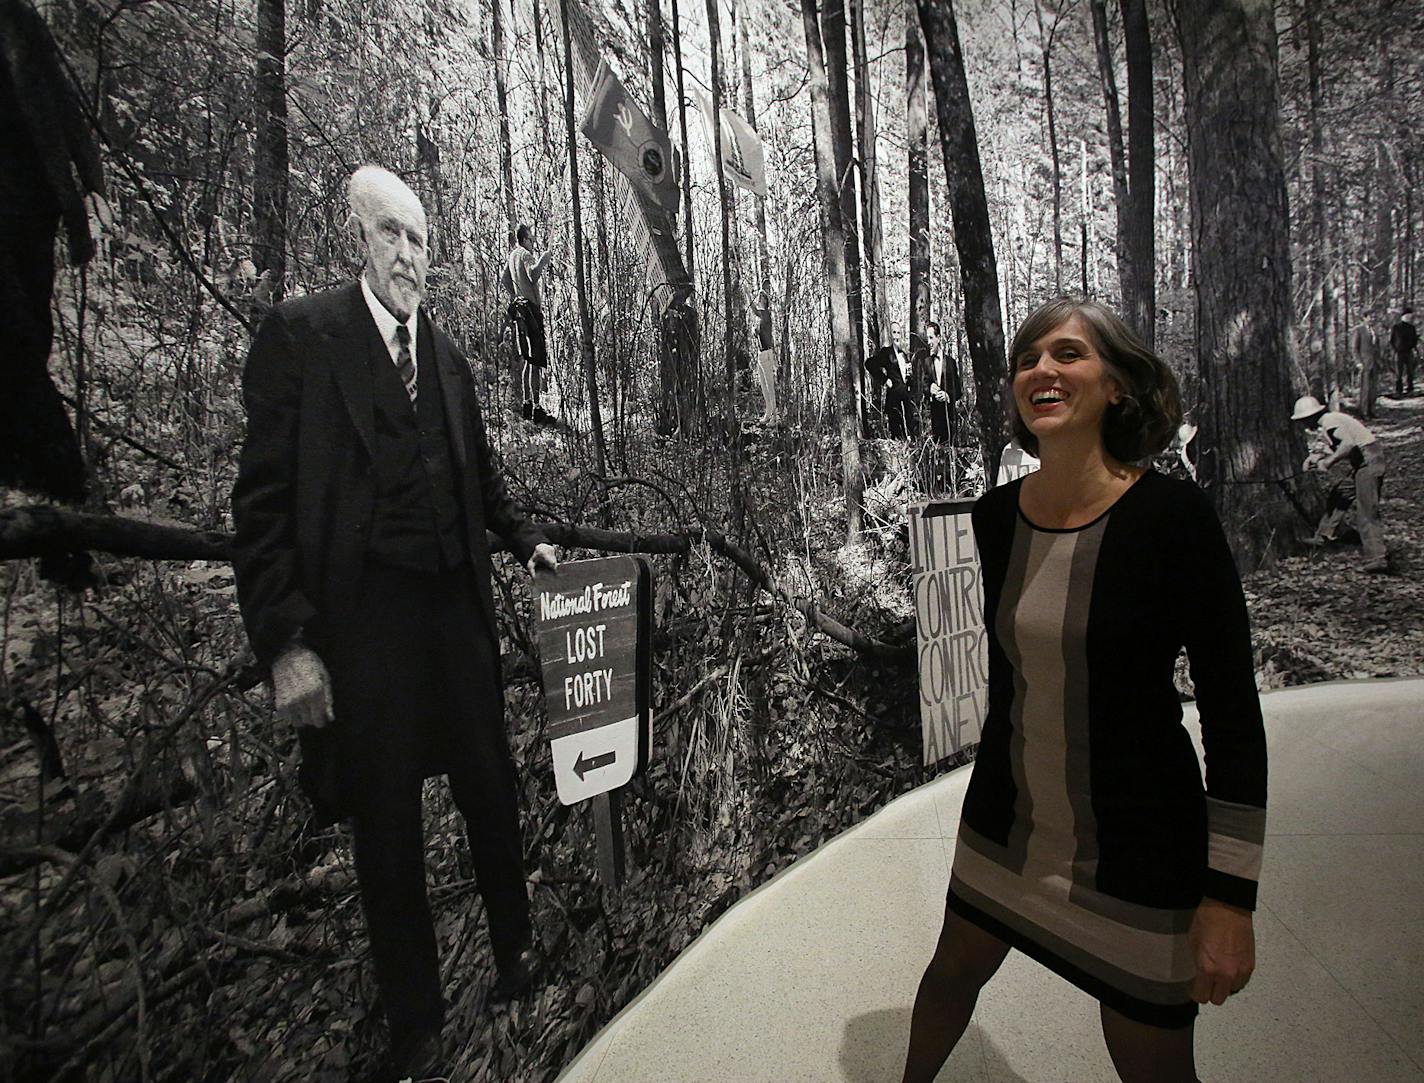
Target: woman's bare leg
point(965, 958)
point(1142, 1053)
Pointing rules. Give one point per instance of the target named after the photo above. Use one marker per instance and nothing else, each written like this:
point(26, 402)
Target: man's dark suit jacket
point(937, 413)
point(305, 491)
point(1403, 337)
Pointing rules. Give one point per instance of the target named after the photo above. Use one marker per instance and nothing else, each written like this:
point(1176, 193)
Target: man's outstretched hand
point(302, 687)
point(545, 556)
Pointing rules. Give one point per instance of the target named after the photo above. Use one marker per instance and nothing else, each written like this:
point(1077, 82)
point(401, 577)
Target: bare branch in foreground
point(42, 530)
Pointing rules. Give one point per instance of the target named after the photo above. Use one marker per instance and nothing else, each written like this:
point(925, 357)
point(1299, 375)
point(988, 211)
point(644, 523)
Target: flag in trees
point(636, 147)
point(742, 157)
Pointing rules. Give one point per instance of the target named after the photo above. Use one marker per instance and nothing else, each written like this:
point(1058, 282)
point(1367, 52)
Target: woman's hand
point(1224, 944)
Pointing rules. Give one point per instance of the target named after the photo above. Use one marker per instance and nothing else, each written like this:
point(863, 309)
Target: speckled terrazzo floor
point(811, 978)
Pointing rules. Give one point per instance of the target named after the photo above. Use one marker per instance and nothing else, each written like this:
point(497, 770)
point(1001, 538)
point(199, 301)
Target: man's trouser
point(417, 691)
point(38, 448)
point(1404, 371)
point(1368, 484)
point(766, 376)
point(901, 419)
point(529, 332)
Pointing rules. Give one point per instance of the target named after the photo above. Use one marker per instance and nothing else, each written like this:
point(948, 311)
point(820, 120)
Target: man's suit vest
point(418, 522)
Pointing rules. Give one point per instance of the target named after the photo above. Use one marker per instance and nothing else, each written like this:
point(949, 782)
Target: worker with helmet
point(1351, 443)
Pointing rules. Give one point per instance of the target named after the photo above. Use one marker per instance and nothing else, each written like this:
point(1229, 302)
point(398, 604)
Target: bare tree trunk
point(1407, 256)
point(428, 155)
point(501, 97)
point(1382, 189)
point(872, 235)
point(600, 232)
point(1140, 296)
point(690, 390)
point(917, 135)
point(669, 378)
point(983, 322)
point(1108, 76)
point(1045, 49)
point(656, 76)
point(783, 362)
point(1085, 210)
point(269, 166)
point(1318, 260)
point(1242, 269)
point(714, 30)
point(1381, 259)
point(543, 109)
point(844, 361)
point(738, 319)
point(833, 33)
point(590, 368)
point(686, 157)
point(734, 429)
point(758, 202)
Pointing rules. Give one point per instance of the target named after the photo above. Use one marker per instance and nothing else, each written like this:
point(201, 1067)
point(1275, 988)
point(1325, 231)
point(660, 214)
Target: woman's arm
point(1218, 642)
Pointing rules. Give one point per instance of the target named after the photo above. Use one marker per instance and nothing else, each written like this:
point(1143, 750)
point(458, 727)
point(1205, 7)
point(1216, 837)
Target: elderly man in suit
point(363, 496)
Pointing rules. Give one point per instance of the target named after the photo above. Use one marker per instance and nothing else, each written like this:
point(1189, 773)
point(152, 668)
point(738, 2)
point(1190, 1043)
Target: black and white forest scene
point(700, 540)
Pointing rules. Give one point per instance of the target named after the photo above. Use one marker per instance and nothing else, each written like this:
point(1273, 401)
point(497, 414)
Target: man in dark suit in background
point(363, 496)
point(1403, 338)
point(940, 380)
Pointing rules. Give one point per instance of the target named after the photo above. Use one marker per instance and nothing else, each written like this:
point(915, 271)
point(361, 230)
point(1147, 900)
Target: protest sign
point(949, 625)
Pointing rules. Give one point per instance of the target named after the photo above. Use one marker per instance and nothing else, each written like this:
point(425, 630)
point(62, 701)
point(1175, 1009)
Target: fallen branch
point(93, 819)
point(688, 696)
point(220, 933)
point(88, 1044)
point(819, 618)
point(148, 792)
point(108, 428)
point(325, 879)
point(202, 699)
point(40, 530)
point(270, 951)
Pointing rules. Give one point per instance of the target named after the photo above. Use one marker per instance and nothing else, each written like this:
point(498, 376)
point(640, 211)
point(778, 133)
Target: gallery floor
point(811, 977)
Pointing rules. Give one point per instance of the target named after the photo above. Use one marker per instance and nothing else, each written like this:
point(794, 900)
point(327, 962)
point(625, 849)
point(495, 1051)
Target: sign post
point(594, 620)
point(949, 626)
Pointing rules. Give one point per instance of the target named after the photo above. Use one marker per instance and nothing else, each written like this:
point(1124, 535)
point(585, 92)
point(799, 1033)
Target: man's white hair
point(370, 185)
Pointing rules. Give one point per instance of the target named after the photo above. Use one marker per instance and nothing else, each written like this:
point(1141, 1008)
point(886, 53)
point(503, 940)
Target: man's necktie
point(404, 361)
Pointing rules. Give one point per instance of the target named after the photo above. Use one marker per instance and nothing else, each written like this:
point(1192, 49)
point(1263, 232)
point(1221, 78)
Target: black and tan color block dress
point(1086, 838)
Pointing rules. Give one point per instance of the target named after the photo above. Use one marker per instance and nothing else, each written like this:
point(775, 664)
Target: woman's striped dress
point(1086, 839)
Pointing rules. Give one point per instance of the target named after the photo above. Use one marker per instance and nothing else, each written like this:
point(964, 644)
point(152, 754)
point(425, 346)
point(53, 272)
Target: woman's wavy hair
point(1146, 419)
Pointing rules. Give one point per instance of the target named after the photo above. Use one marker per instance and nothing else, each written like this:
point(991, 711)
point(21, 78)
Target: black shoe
point(515, 980)
point(418, 1056)
point(543, 417)
point(527, 411)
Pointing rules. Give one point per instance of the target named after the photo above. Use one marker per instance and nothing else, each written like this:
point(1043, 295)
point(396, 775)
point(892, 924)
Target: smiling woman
point(1145, 414)
point(1086, 840)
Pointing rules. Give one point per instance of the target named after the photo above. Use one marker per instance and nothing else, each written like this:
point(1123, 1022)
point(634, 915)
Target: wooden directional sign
point(595, 621)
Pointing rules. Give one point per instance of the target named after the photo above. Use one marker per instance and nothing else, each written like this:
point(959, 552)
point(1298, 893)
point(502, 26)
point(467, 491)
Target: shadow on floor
point(873, 1049)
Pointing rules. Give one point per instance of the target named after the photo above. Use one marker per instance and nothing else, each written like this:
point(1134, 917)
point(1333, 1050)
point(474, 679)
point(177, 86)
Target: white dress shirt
point(386, 324)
